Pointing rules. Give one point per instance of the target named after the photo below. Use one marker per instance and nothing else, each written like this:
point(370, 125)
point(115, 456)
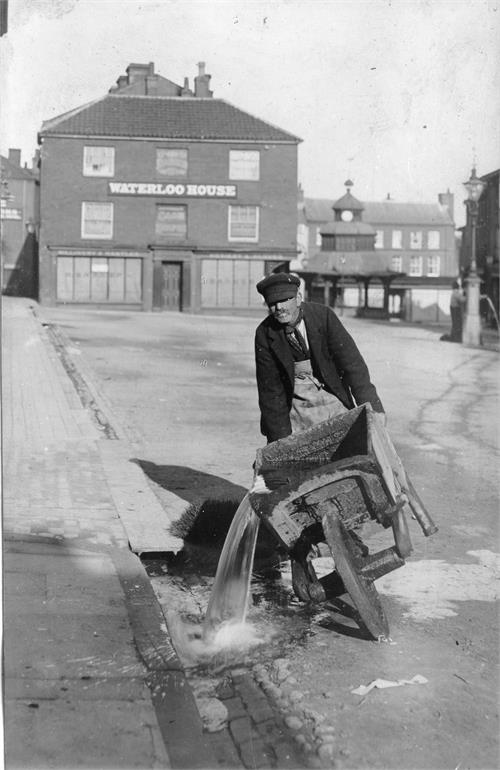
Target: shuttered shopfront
point(99, 278)
point(228, 281)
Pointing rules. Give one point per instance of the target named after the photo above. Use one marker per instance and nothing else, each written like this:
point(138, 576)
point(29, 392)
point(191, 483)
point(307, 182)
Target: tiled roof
point(166, 118)
point(356, 263)
point(385, 213)
point(11, 171)
point(348, 201)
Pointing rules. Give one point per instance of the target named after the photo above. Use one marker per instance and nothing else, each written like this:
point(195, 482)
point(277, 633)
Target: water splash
point(224, 644)
point(229, 598)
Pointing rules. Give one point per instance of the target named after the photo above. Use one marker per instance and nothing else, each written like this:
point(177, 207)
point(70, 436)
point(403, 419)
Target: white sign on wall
point(8, 213)
point(173, 190)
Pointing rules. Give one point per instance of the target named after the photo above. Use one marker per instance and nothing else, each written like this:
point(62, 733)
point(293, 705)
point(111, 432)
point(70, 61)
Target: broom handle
point(418, 510)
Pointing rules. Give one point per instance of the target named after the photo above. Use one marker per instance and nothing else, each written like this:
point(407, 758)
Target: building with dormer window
point(160, 197)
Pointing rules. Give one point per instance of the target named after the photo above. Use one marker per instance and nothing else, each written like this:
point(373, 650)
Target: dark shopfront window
point(99, 279)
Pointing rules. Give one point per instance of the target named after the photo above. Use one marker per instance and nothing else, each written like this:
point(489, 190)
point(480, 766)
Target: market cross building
point(159, 197)
point(386, 259)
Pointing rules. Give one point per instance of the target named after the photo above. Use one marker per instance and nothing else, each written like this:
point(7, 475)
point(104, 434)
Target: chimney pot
point(202, 83)
point(15, 156)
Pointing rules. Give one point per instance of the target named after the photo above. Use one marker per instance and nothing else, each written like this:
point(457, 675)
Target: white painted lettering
point(171, 189)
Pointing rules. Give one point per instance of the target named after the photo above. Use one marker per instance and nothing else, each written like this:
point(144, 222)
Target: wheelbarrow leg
point(347, 559)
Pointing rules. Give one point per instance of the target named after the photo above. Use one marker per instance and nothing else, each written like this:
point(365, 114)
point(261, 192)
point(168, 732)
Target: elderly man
point(308, 366)
point(309, 369)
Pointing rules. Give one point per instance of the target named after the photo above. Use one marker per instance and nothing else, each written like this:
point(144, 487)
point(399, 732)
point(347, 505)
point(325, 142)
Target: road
point(183, 388)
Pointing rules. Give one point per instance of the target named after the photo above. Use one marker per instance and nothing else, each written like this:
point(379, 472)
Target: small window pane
point(416, 239)
point(244, 164)
point(397, 239)
point(171, 162)
point(433, 266)
point(379, 239)
point(171, 221)
point(415, 266)
point(433, 239)
point(397, 264)
point(243, 223)
point(97, 220)
point(98, 161)
point(318, 236)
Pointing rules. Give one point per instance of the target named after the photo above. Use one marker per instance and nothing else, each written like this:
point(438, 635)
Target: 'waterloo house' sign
point(173, 190)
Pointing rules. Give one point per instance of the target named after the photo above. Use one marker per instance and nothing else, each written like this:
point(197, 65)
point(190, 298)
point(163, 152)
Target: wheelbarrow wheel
point(363, 593)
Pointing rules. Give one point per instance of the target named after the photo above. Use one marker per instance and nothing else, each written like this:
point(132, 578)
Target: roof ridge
point(380, 203)
point(163, 96)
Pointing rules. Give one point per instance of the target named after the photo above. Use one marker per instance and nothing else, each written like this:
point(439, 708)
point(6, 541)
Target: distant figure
point(457, 303)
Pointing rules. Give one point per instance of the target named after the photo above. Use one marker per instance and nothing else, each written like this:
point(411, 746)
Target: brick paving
point(79, 647)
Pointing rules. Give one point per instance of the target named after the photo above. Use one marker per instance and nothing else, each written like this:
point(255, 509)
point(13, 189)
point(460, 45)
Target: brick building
point(157, 196)
point(487, 246)
point(19, 215)
point(413, 247)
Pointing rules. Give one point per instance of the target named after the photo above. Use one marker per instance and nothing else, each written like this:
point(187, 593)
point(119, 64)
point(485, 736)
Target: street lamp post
point(472, 325)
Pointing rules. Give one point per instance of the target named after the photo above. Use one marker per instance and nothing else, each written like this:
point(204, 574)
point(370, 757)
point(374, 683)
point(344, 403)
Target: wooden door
point(171, 280)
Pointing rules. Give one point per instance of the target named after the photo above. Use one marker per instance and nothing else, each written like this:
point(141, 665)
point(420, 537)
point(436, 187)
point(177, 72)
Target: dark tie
point(296, 340)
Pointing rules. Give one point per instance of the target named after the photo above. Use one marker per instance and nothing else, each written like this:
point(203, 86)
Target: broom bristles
point(209, 519)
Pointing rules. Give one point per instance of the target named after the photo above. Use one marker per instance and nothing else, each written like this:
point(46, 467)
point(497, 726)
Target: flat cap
point(278, 287)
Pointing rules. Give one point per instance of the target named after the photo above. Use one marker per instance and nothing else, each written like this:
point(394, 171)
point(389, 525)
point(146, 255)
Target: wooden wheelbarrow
point(321, 485)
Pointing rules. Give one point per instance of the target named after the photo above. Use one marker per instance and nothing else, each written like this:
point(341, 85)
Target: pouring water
point(228, 602)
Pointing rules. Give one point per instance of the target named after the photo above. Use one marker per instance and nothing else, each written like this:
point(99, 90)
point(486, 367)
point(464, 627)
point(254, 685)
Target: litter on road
point(382, 684)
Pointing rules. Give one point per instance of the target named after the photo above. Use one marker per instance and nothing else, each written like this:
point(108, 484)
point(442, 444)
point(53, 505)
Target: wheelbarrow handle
point(418, 510)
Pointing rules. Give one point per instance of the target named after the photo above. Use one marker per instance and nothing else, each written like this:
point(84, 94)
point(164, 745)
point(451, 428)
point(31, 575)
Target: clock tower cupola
point(347, 232)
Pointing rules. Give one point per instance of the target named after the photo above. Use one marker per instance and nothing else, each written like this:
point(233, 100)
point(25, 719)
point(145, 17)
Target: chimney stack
point(186, 91)
point(15, 157)
point(137, 72)
point(447, 200)
point(202, 83)
point(122, 82)
point(35, 162)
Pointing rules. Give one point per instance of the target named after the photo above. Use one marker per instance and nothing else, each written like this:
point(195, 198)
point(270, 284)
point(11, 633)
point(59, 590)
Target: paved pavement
point(90, 676)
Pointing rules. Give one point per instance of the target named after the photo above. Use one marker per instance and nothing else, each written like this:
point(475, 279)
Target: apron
point(311, 403)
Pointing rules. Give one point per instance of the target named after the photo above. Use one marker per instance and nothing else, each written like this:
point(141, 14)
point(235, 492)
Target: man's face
point(286, 311)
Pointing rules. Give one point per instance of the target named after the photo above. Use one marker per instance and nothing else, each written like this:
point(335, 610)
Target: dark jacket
point(336, 362)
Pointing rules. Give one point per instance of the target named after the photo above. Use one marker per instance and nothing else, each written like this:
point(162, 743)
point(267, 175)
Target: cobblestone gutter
point(82, 387)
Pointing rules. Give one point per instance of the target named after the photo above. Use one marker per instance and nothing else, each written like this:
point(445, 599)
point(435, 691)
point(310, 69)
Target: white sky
point(400, 96)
